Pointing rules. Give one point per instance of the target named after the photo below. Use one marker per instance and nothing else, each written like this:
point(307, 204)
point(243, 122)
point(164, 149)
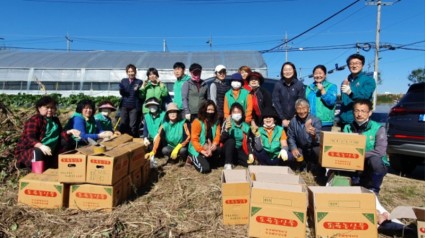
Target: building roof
point(120, 59)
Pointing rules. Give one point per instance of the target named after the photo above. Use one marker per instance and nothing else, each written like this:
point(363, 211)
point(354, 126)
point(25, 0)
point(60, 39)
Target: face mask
point(153, 109)
point(236, 84)
point(105, 113)
point(210, 115)
point(236, 116)
point(360, 123)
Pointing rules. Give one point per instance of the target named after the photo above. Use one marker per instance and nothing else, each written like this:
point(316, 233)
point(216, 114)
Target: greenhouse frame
point(98, 73)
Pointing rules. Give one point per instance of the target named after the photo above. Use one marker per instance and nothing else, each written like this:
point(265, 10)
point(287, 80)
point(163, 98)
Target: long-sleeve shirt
point(284, 96)
point(298, 136)
point(196, 129)
point(248, 109)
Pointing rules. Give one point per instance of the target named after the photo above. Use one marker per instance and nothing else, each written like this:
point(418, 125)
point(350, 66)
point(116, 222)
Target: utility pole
point(286, 47)
point(210, 42)
point(164, 46)
point(379, 4)
point(68, 42)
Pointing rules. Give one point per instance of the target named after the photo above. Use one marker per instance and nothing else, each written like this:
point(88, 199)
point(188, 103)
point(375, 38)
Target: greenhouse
point(98, 73)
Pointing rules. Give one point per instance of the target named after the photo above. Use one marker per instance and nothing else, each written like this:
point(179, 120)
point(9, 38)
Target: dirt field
point(179, 202)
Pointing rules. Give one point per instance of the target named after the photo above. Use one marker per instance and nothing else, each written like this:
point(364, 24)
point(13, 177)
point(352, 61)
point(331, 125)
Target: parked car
point(406, 130)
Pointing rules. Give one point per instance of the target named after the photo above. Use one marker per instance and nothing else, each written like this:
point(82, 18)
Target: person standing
point(218, 89)
point(322, 95)
point(152, 87)
point(376, 160)
point(194, 92)
point(245, 71)
point(261, 98)
point(240, 95)
point(356, 86)
point(286, 92)
point(130, 104)
point(181, 78)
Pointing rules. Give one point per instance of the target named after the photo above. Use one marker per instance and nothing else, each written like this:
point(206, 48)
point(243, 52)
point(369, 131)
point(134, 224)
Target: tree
point(417, 76)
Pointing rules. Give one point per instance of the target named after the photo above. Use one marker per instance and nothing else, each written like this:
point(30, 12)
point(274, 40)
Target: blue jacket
point(284, 97)
point(362, 87)
point(129, 93)
point(322, 106)
point(297, 135)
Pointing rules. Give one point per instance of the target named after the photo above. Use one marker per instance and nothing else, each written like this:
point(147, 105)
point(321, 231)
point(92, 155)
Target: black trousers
point(130, 121)
point(233, 155)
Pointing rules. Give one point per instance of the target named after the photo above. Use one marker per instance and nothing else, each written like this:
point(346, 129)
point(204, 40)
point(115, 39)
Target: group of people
point(221, 124)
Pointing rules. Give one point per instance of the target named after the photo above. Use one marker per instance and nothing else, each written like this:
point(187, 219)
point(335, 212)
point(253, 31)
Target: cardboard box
point(417, 213)
point(107, 168)
point(339, 211)
point(42, 190)
point(126, 188)
point(95, 197)
point(277, 210)
point(138, 140)
point(253, 169)
point(136, 178)
point(235, 193)
point(116, 141)
point(72, 165)
point(342, 150)
point(278, 178)
point(146, 170)
point(136, 153)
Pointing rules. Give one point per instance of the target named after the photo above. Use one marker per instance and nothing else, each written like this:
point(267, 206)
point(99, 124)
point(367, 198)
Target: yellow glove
point(175, 152)
point(250, 159)
point(150, 154)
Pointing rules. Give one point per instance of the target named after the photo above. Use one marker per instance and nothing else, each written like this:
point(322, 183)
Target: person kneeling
point(270, 146)
point(173, 136)
point(204, 144)
point(236, 138)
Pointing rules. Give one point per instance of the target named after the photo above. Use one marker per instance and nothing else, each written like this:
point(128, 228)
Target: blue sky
point(186, 25)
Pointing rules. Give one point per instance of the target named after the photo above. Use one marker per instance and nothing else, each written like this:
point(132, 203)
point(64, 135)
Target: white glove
point(283, 155)
point(146, 142)
point(105, 134)
point(187, 116)
point(346, 89)
point(153, 163)
point(46, 150)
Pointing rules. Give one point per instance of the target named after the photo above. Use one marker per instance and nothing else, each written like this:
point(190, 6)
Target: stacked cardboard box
point(88, 180)
point(342, 211)
point(278, 205)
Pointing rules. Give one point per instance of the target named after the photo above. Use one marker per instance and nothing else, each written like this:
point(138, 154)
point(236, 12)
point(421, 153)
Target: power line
point(311, 28)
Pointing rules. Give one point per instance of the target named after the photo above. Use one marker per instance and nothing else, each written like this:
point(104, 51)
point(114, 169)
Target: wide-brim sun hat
point(152, 102)
point(172, 107)
point(107, 106)
point(269, 112)
point(255, 75)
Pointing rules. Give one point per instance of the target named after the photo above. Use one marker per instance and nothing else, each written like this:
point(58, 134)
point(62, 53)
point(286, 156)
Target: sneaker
point(228, 166)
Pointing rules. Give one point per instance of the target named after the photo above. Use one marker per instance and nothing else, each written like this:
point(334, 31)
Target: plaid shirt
point(34, 131)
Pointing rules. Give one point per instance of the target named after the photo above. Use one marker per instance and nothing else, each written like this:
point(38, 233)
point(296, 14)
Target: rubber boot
point(37, 167)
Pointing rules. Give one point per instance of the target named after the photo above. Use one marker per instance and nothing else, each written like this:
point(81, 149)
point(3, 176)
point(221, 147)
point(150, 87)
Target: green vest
point(202, 138)
point(242, 98)
point(105, 122)
point(237, 132)
point(159, 91)
point(153, 124)
point(177, 89)
point(272, 148)
point(370, 133)
point(51, 137)
point(173, 132)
